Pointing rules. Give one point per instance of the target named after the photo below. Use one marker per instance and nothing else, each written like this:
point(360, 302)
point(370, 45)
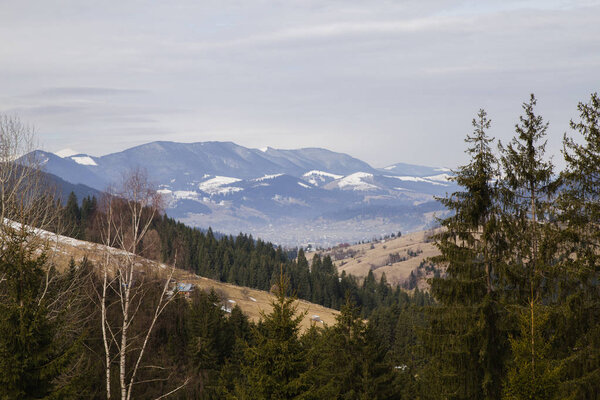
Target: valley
point(289, 197)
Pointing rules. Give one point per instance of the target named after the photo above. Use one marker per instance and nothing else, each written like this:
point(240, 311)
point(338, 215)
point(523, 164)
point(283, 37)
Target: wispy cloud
point(86, 92)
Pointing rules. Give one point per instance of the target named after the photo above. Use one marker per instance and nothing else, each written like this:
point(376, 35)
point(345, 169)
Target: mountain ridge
point(278, 194)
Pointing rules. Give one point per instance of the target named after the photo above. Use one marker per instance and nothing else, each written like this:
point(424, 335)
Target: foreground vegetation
point(514, 315)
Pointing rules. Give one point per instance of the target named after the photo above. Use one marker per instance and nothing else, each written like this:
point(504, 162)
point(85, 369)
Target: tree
point(127, 216)
point(527, 192)
point(38, 337)
point(579, 204)
point(273, 368)
point(464, 333)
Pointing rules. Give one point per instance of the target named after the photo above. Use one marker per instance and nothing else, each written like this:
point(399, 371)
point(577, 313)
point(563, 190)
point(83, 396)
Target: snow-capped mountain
point(287, 196)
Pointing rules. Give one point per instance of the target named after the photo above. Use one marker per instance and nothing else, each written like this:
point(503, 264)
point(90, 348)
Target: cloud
point(385, 81)
point(86, 92)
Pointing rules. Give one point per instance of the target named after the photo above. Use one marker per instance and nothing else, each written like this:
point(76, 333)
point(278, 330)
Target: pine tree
point(527, 191)
point(464, 332)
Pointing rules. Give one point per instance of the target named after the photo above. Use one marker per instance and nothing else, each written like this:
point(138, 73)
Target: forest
point(513, 314)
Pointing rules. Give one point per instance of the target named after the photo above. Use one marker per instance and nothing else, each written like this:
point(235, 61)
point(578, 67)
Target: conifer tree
point(527, 191)
point(31, 356)
point(579, 204)
point(273, 368)
point(464, 334)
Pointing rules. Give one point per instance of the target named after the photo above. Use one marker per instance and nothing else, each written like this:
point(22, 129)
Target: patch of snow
point(442, 169)
point(416, 179)
point(231, 301)
point(266, 177)
point(214, 185)
point(440, 177)
point(64, 153)
point(355, 181)
point(185, 194)
point(264, 149)
point(252, 298)
point(288, 200)
point(390, 168)
point(164, 191)
point(321, 173)
point(304, 185)
point(84, 160)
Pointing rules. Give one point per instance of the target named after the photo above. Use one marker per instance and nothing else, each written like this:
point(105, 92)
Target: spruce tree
point(31, 356)
point(273, 367)
point(464, 333)
point(579, 204)
point(527, 193)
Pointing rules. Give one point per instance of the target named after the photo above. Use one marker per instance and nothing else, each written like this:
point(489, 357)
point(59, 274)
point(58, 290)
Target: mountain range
point(290, 197)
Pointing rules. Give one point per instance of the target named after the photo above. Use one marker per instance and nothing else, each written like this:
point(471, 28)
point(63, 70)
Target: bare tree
point(29, 209)
point(25, 194)
point(127, 214)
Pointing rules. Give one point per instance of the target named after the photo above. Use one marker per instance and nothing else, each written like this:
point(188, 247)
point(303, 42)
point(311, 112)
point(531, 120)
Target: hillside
point(251, 301)
point(289, 197)
point(397, 257)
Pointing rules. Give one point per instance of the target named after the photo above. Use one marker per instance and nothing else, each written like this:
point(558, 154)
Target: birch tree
point(127, 214)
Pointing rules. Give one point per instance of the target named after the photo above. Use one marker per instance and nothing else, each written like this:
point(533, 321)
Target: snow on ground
point(84, 160)
point(288, 200)
point(316, 177)
point(322, 173)
point(416, 179)
point(355, 182)
point(439, 177)
point(391, 167)
point(304, 185)
point(215, 185)
point(267, 177)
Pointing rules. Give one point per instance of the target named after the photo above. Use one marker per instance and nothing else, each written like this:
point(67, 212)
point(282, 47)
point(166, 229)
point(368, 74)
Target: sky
point(384, 81)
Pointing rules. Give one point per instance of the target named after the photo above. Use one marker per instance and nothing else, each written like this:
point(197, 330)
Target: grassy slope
point(251, 301)
point(378, 258)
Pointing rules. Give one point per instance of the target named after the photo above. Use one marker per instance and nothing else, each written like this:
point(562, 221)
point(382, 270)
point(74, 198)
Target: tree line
point(241, 260)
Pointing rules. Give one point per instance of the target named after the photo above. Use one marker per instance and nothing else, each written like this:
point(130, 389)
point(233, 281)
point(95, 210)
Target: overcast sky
point(385, 81)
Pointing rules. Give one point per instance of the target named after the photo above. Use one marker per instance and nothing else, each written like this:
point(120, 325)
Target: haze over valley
point(290, 197)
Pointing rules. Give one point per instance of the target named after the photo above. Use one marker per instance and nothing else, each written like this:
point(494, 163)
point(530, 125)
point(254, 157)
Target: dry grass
point(251, 301)
point(378, 260)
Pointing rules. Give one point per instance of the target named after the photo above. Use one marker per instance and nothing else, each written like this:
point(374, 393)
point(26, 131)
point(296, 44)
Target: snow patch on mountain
point(84, 160)
point(216, 185)
point(287, 200)
point(304, 185)
point(316, 177)
point(356, 181)
point(321, 173)
point(267, 177)
point(416, 179)
point(440, 177)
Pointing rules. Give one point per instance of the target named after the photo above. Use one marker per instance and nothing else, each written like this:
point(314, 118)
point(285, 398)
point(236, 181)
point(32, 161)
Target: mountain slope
point(397, 257)
point(290, 197)
point(252, 302)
